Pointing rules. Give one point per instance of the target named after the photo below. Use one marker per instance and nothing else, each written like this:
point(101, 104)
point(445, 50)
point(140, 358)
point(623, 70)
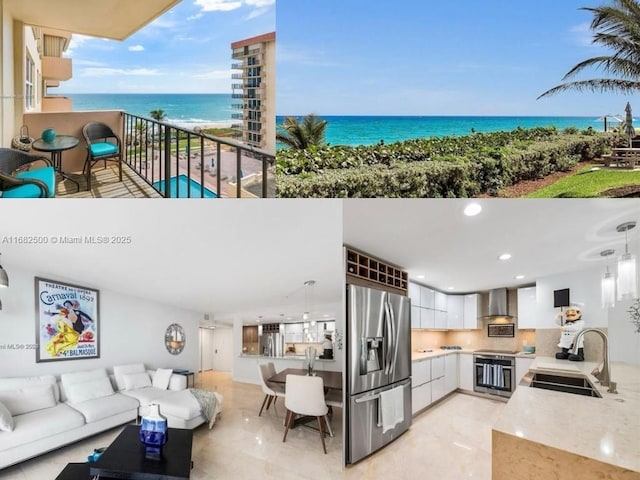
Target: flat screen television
point(561, 298)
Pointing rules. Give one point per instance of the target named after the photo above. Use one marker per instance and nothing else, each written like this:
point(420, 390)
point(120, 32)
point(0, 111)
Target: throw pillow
point(133, 381)
point(6, 420)
point(162, 377)
point(28, 399)
point(97, 388)
point(119, 371)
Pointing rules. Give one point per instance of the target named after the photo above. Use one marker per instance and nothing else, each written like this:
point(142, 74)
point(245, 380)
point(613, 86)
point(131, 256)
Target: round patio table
point(56, 147)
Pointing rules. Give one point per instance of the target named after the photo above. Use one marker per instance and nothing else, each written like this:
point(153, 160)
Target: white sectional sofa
point(41, 413)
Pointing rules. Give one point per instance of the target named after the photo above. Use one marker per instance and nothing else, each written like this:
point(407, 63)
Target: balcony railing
point(237, 66)
point(237, 116)
point(178, 162)
point(242, 53)
point(237, 76)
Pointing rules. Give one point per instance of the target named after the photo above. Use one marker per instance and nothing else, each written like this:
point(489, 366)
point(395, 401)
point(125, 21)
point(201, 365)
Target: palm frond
point(599, 85)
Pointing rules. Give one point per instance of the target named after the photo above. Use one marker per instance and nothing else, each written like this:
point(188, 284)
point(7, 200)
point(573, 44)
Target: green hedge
point(468, 166)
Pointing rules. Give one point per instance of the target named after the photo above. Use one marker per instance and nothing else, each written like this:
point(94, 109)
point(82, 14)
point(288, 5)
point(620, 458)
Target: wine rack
point(360, 266)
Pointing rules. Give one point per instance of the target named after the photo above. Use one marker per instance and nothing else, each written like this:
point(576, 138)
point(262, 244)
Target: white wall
point(131, 330)
point(624, 343)
point(584, 289)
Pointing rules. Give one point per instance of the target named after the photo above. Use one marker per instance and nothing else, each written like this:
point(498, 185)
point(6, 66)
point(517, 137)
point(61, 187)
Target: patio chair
point(102, 144)
point(20, 178)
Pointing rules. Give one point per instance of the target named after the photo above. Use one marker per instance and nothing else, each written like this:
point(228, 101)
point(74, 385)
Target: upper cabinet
point(441, 301)
point(427, 297)
point(431, 309)
point(470, 318)
point(414, 294)
point(528, 311)
point(455, 311)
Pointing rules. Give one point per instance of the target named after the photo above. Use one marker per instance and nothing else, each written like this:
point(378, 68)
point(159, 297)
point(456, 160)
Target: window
point(30, 82)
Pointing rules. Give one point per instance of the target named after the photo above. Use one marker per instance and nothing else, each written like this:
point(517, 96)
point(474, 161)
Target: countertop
point(285, 357)
point(606, 429)
point(437, 352)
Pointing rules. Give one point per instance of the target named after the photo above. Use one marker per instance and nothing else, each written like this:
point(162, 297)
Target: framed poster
point(501, 330)
point(67, 321)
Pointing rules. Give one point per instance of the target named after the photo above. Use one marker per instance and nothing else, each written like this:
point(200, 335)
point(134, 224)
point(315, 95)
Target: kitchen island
point(246, 366)
point(556, 435)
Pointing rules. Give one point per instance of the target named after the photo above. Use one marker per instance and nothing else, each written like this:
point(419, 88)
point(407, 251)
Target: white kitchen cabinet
point(440, 320)
point(528, 309)
point(470, 317)
point(415, 316)
point(465, 371)
point(437, 367)
point(421, 372)
point(522, 367)
point(427, 318)
point(414, 294)
point(293, 333)
point(455, 311)
point(437, 389)
point(451, 372)
point(427, 298)
point(420, 397)
point(441, 301)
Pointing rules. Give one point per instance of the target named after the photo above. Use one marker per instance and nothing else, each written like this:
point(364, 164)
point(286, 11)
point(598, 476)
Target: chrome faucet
point(602, 374)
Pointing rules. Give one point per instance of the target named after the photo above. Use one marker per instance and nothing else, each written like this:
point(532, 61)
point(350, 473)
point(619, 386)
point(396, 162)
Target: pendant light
point(608, 283)
point(307, 286)
point(4, 278)
point(627, 269)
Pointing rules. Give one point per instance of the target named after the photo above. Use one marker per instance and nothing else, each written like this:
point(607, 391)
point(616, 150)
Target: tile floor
point(451, 440)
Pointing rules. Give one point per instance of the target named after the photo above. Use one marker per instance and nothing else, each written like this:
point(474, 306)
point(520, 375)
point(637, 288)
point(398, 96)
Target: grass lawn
point(588, 183)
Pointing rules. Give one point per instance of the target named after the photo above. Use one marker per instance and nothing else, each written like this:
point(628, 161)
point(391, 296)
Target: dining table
point(55, 147)
point(332, 380)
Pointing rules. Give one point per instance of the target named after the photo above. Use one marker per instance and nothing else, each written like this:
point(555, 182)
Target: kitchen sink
point(559, 383)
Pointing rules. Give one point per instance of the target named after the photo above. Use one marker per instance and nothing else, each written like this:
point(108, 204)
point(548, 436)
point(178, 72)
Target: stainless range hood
point(495, 303)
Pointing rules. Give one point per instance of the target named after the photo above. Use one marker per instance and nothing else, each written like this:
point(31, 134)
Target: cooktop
point(494, 350)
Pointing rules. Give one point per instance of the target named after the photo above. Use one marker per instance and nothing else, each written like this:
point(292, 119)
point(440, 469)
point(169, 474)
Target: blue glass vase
point(153, 432)
point(49, 135)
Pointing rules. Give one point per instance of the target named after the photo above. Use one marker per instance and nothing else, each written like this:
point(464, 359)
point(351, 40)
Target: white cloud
point(105, 72)
point(195, 17)
point(218, 5)
point(77, 41)
point(136, 48)
point(260, 3)
point(256, 12)
point(214, 75)
point(87, 63)
point(582, 34)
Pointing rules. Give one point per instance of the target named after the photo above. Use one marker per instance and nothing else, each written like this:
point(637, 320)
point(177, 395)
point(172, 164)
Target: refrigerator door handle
point(389, 336)
point(394, 345)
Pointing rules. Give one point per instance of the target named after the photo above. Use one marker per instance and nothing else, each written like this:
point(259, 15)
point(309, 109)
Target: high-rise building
point(255, 57)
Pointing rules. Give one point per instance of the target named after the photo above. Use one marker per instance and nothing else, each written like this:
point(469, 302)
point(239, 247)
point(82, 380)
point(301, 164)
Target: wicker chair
point(102, 144)
point(20, 178)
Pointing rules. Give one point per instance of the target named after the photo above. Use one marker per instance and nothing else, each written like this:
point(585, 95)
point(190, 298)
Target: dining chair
point(304, 395)
point(20, 178)
point(271, 391)
point(102, 144)
point(333, 399)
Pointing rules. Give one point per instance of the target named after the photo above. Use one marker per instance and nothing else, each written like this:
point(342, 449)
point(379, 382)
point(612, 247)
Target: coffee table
point(125, 458)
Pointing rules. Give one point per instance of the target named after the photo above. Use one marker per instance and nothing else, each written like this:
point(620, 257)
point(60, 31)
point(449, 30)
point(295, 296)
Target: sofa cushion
point(133, 381)
point(104, 407)
point(28, 399)
point(80, 392)
point(41, 424)
point(162, 377)
point(180, 404)
point(15, 383)
point(120, 370)
point(147, 395)
point(6, 419)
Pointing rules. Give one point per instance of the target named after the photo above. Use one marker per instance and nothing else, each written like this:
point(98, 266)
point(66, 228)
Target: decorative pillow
point(15, 383)
point(79, 392)
point(6, 420)
point(119, 371)
point(162, 377)
point(136, 380)
point(28, 399)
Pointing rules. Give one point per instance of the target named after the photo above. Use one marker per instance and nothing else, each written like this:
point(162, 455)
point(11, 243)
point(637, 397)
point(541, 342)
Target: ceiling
point(115, 19)
point(435, 239)
point(231, 259)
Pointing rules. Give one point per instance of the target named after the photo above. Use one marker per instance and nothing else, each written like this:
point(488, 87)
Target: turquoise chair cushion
point(46, 175)
point(103, 148)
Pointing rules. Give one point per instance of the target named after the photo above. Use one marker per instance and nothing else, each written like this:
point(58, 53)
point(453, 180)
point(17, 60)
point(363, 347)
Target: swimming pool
point(180, 184)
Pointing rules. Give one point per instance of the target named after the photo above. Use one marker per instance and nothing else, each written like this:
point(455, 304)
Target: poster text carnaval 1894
point(67, 321)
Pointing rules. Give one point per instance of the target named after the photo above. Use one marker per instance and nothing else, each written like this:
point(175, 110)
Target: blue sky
point(186, 50)
point(428, 57)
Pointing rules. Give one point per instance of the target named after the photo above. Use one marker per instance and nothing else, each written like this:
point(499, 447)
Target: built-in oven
point(494, 374)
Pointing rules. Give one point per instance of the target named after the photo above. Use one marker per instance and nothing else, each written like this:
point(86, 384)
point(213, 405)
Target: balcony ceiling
point(114, 19)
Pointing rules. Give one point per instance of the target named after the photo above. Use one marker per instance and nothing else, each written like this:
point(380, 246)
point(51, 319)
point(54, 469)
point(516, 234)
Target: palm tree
point(301, 135)
point(158, 114)
point(616, 27)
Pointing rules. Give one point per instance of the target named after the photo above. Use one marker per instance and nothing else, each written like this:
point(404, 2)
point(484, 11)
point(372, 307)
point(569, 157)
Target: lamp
point(4, 278)
point(608, 284)
point(307, 286)
point(627, 272)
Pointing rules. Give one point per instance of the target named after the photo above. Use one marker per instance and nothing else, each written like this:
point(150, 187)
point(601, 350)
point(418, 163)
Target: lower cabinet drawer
point(420, 397)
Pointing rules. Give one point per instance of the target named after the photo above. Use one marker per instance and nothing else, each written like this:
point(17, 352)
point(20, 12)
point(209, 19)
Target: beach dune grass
point(588, 183)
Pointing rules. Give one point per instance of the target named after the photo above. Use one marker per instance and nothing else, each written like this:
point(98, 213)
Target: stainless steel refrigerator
point(378, 359)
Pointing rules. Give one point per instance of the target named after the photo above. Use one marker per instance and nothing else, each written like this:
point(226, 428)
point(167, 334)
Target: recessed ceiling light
point(505, 256)
point(519, 277)
point(472, 209)
point(451, 288)
point(420, 277)
point(326, 315)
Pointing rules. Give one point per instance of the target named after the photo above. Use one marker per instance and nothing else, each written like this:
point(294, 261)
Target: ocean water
point(369, 130)
point(186, 110)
